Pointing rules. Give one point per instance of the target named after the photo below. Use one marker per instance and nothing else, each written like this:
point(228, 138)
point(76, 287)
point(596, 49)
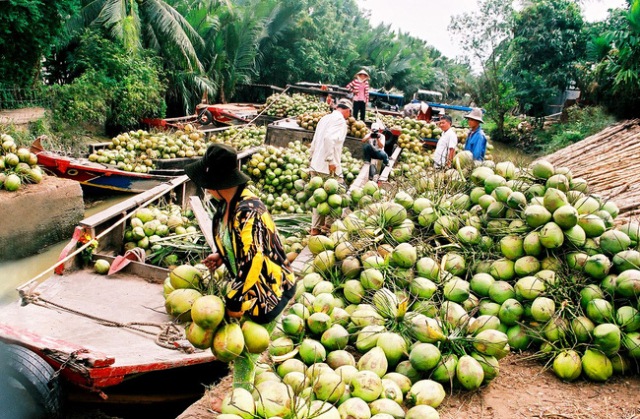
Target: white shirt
point(447, 141)
point(326, 147)
point(374, 141)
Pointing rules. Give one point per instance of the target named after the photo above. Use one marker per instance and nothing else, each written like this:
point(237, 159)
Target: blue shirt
point(476, 143)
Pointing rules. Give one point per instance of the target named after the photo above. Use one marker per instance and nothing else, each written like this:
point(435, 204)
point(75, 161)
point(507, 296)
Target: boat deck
point(103, 354)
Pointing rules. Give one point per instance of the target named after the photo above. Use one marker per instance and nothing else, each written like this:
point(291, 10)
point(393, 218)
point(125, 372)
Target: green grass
point(581, 123)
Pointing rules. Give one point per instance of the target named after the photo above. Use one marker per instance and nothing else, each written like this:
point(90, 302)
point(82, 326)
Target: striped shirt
point(360, 89)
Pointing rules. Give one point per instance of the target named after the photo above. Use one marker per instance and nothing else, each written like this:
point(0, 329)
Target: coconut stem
point(244, 367)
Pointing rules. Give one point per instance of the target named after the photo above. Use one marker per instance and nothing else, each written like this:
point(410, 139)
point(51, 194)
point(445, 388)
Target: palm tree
point(236, 38)
point(155, 25)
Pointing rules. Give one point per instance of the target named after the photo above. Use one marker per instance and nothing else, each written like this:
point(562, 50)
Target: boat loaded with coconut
point(96, 331)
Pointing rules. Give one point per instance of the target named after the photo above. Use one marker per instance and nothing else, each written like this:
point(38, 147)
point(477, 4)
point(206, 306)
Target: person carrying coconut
point(476, 140)
point(359, 87)
point(246, 239)
point(446, 147)
point(326, 152)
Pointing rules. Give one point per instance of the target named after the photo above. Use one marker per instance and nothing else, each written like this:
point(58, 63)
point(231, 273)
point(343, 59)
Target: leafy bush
point(85, 100)
point(116, 88)
point(579, 123)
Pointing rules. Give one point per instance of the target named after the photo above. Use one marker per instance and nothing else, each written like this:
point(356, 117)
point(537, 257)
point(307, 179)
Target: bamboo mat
point(610, 162)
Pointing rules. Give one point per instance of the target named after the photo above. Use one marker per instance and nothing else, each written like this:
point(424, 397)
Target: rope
point(98, 237)
point(170, 336)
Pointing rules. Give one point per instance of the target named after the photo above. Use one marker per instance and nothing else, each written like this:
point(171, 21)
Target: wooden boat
point(207, 115)
point(96, 175)
point(102, 177)
point(96, 331)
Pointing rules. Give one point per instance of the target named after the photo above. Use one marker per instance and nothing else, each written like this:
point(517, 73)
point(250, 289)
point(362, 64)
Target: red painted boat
point(97, 175)
point(96, 331)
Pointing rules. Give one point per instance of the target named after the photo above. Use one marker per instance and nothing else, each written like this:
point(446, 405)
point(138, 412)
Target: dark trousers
point(370, 152)
point(359, 107)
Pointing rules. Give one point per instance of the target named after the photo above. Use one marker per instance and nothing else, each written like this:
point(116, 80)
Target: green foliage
point(580, 123)
point(28, 29)
point(547, 41)
point(85, 100)
point(116, 89)
point(611, 76)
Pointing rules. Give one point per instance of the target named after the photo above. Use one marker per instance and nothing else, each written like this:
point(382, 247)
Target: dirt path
point(521, 390)
point(21, 116)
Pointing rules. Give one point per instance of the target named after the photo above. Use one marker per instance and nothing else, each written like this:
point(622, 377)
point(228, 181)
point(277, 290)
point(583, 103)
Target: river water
point(17, 272)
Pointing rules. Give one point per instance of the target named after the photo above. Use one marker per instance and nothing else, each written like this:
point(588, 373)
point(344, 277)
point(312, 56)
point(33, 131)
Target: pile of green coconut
point(423, 286)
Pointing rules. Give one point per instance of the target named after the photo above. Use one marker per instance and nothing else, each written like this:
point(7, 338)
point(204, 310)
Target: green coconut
point(626, 260)
point(597, 266)
point(628, 283)
point(607, 338)
point(614, 241)
point(596, 366)
point(426, 392)
point(536, 215)
point(567, 365)
point(582, 328)
point(576, 236)
point(526, 265)
point(542, 169)
point(529, 287)
point(469, 372)
point(531, 244)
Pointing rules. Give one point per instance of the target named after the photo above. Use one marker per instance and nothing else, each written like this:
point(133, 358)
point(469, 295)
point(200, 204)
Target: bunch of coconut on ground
point(424, 285)
point(18, 165)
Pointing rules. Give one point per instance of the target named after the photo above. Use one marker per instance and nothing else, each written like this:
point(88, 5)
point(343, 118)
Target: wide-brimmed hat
point(476, 113)
point(217, 169)
point(362, 72)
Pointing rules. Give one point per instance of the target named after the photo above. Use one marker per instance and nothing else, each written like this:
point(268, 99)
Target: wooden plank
point(133, 202)
point(300, 263)
point(203, 219)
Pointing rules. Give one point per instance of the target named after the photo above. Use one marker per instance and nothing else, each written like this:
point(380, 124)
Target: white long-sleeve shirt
point(326, 147)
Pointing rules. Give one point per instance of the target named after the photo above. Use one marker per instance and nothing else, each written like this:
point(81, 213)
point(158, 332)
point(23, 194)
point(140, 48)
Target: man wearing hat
point(476, 140)
point(359, 87)
point(246, 239)
point(326, 151)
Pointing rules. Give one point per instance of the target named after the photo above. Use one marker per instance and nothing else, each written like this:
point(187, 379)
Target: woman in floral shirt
point(246, 239)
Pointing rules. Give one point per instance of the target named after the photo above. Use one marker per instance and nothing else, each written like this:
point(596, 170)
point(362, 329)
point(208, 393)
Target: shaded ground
point(521, 390)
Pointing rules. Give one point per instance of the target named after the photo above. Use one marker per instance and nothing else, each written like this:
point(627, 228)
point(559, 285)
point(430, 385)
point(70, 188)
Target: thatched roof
point(610, 162)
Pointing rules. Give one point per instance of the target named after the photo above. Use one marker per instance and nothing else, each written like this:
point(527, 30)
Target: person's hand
point(212, 261)
point(332, 168)
point(235, 314)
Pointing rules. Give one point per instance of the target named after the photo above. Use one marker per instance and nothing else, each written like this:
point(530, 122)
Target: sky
point(429, 19)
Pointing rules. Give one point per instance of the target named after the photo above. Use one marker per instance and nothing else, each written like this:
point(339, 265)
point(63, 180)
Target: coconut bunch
point(283, 105)
point(193, 297)
point(136, 151)
point(328, 196)
point(558, 249)
point(281, 180)
point(17, 165)
point(242, 138)
point(356, 128)
point(168, 235)
point(309, 120)
point(278, 171)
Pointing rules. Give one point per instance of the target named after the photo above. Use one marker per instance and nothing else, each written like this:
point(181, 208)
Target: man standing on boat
point(246, 239)
point(326, 152)
point(476, 140)
point(446, 147)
